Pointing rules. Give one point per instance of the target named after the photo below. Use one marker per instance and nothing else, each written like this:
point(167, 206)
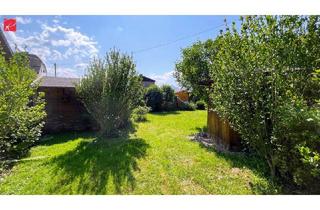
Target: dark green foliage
point(167, 93)
point(154, 98)
point(298, 153)
point(110, 91)
point(169, 106)
point(201, 105)
point(139, 114)
point(169, 99)
point(187, 106)
point(21, 109)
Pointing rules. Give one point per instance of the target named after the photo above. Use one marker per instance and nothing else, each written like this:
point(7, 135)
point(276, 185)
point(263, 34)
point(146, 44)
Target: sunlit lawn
point(158, 158)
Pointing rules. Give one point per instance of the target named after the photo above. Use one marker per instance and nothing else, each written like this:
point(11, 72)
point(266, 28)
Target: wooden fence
point(220, 129)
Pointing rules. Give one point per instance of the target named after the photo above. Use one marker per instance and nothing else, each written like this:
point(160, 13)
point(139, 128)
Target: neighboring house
point(147, 81)
point(37, 65)
point(64, 111)
point(4, 46)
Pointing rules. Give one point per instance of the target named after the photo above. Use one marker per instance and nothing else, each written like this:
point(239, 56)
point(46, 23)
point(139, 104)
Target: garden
point(158, 158)
point(262, 76)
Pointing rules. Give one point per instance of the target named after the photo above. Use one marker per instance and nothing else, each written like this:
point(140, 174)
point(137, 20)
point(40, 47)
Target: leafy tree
point(169, 99)
point(262, 81)
point(154, 98)
point(111, 90)
point(167, 93)
point(192, 71)
point(21, 108)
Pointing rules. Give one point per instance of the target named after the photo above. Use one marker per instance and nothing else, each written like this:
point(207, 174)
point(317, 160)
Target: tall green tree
point(193, 70)
point(111, 90)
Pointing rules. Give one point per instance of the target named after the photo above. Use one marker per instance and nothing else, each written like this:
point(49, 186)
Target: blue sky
point(71, 41)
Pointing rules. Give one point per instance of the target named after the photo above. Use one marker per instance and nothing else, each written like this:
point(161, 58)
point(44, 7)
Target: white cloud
point(61, 42)
point(55, 21)
point(56, 55)
point(120, 29)
point(55, 43)
point(23, 20)
point(64, 72)
point(81, 65)
point(165, 78)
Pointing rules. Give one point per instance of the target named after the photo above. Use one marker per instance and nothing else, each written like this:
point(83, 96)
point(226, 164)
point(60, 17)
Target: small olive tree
point(21, 108)
point(111, 90)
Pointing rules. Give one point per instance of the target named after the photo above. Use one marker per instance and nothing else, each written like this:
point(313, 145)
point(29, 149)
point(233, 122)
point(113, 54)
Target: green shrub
point(154, 98)
point(21, 108)
point(167, 93)
point(110, 91)
point(201, 105)
point(187, 106)
point(139, 114)
point(298, 146)
point(169, 106)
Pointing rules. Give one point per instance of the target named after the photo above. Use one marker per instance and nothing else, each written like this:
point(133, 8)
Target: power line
point(176, 40)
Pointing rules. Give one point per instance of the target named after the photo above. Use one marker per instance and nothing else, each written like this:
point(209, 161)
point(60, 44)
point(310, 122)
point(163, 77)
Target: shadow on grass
point(100, 167)
point(51, 139)
point(62, 137)
point(165, 113)
point(255, 164)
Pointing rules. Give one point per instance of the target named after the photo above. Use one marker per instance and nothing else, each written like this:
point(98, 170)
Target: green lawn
point(158, 158)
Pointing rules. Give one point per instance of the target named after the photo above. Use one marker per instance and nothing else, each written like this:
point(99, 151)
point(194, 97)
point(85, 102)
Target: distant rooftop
point(4, 45)
point(46, 81)
point(147, 79)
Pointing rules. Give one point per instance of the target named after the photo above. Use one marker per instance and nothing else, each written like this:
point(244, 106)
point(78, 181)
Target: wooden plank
point(221, 128)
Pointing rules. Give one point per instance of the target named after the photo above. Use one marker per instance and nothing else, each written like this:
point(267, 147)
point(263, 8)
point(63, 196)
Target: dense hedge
point(21, 108)
point(262, 83)
point(154, 98)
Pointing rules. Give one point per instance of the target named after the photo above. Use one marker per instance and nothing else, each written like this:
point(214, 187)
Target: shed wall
point(64, 111)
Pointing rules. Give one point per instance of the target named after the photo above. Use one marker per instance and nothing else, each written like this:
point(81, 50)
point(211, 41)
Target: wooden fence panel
point(223, 132)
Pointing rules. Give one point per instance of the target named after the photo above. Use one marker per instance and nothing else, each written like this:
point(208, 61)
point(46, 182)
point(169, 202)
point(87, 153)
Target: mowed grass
point(158, 158)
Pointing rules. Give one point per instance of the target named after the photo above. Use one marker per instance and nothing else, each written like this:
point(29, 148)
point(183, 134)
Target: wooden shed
point(64, 110)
